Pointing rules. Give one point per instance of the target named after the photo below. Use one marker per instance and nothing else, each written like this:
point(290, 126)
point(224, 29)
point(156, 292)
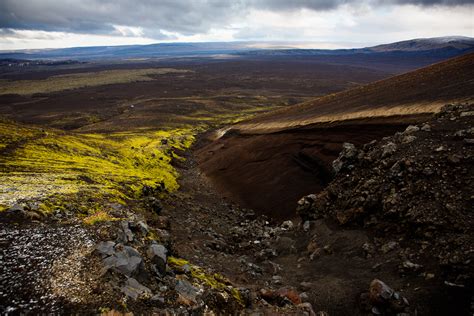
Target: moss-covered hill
point(51, 166)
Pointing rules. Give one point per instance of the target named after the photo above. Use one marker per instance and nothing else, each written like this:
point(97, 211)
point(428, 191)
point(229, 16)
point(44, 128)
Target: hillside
point(441, 47)
point(421, 91)
point(268, 162)
point(424, 44)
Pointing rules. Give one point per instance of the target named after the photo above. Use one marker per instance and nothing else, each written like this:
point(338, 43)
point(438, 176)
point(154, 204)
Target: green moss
point(99, 217)
point(215, 281)
point(80, 80)
point(176, 262)
point(237, 295)
point(152, 236)
point(46, 207)
point(104, 310)
point(114, 167)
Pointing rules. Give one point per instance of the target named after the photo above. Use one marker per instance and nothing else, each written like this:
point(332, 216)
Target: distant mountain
point(131, 51)
point(425, 44)
point(442, 47)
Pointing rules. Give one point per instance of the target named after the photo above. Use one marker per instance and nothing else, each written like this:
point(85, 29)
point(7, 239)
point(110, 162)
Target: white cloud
point(29, 39)
point(343, 23)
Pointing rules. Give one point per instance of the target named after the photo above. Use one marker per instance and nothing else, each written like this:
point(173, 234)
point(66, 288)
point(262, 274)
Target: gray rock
point(306, 226)
point(410, 266)
point(143, 227)
point(468, 113)
point(388, 149)
point(276, 279)
point(348, 150)
point(391, 245)
point(426, 127)
point(287, 225)
point(134, 289)
point(304, 297)
point(348, 153)
point(307, 308)
point(106, 248)
point(408, 139)
point(158, 256)
point(411, 129)
point(126, 261)
point(337, 165)
point(305, 208)
point(186, 290)
point(125, 234)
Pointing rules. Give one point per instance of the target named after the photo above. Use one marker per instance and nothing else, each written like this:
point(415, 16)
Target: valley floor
point(52, 264)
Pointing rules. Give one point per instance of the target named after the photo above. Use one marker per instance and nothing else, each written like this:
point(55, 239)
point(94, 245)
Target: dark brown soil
point(269, 169)
point(256, 254)
point(446, 82)
point(270, 173)
point(213, 86)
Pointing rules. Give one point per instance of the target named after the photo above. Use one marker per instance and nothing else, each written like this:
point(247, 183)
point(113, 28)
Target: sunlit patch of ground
point(383, 112)
point(81, 80)
point(37, 163)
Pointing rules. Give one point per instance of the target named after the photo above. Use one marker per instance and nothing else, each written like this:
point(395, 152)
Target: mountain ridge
point(449, 46)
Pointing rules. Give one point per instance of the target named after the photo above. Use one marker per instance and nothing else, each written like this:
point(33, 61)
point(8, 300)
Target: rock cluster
point(413, 191)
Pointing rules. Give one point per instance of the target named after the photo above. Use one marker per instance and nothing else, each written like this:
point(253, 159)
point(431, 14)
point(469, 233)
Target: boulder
point(187, 293)
point(105, 248)
point(134, 289)
point(347, 155)
point(385, 300)
point(388, 149)
point(411, 129)
point(125, 234)
point(158, 257)
point(287, 225)
point(312, 207)
point(379, 292)
point(124, 259)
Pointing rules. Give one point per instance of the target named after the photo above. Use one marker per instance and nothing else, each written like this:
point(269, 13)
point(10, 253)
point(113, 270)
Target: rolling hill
point(439, 47)
point(269, 162)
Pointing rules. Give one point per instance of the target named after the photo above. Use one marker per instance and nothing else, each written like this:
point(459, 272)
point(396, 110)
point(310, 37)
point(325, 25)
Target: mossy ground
point(42, 164)
point(86, 172)
point(111, 154)
point(215, 281)
point(80, 80)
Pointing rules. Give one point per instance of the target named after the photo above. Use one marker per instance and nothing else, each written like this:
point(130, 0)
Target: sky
point(32, 24)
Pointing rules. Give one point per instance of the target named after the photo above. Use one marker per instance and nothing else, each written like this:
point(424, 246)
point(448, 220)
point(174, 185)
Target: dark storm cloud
point(186, 17)
point(98, 16)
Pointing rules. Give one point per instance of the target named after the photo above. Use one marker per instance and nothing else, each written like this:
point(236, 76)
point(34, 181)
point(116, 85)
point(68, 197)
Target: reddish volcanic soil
point(270, 173)
point(269, 162)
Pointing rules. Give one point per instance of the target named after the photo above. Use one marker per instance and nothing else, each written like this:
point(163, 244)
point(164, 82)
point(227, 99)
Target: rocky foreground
point(390, 235)
point(414, 193)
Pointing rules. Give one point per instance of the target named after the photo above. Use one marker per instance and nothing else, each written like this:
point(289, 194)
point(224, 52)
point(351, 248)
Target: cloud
point(100, 16)
point(186, 17)
point(224, 20)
